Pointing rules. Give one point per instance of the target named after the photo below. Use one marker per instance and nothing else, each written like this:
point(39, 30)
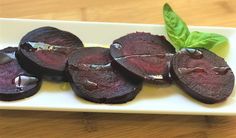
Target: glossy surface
point(207, 78)
point(44, 51)
point(169, 100)
point(94, 77)
point(144, 55)
point(22, 81)
point(15, 83)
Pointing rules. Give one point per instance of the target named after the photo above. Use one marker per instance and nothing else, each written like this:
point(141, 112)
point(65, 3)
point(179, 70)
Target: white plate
point(153, 99)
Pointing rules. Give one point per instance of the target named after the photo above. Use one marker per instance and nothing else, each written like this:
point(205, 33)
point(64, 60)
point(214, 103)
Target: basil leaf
point(176, 28)
point(204, 40)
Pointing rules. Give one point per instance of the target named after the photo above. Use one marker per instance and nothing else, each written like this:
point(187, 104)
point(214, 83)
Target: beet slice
point(94, 79)
point(145, 55)
point(15, 83)
point(44, 51)
point(203, 75)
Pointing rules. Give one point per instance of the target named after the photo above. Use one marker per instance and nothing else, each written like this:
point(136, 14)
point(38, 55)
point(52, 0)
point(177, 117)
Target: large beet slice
point(94, 79)
point(44, 51)
point(15, 83)
point(145, 55)
point(203, 75)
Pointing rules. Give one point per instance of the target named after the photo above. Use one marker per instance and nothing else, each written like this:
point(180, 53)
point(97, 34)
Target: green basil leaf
point(177, 29)
point(204, 40)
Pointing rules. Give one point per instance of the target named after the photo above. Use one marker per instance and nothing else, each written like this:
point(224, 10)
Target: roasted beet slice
point(15, 83)
point(44, 51)
point(203, 75)
point(145, 55)
point(94, 79)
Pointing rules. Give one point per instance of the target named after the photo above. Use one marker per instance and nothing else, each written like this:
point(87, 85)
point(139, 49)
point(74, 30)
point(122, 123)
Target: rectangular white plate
point(153, 99)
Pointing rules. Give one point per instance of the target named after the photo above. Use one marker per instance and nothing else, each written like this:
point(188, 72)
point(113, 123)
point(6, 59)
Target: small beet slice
point(15, 83)
point(94, 79)
point(145, 55)
point(203, 75)
point(44, 51)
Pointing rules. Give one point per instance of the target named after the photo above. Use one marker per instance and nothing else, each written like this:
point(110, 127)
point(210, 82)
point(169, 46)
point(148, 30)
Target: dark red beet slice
point(203, 75)
point(94, 79)
point(145, 55)
point(44, 51)
point(15, 83)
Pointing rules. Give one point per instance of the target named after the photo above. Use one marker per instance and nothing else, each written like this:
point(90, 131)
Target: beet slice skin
point(50, 59)
point(94, 78)
point(145, 55)
point(15, 83)
point(203, 75)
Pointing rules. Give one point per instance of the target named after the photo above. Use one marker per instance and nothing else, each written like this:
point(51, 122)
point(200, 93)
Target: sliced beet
point(15, 83)
point(94, 79)
point(203, 75)
point(145, 55)
point(44, 51)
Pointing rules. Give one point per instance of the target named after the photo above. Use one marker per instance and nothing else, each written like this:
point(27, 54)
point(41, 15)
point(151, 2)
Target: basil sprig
point(181, 37)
